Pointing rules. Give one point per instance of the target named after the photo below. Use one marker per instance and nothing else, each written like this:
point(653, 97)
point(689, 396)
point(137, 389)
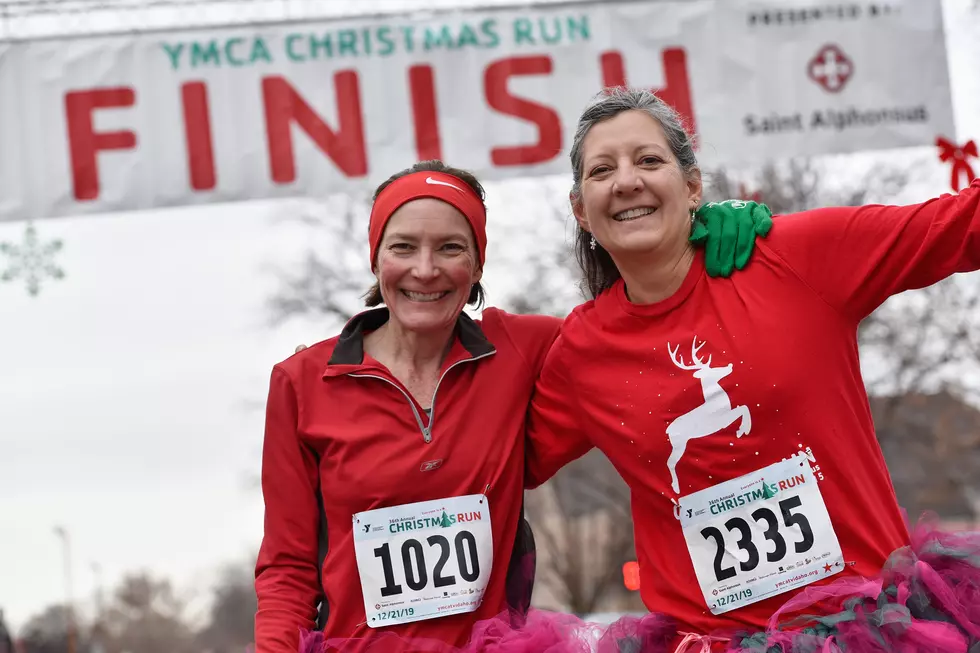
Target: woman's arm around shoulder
point(555, 436)
point(532, 335)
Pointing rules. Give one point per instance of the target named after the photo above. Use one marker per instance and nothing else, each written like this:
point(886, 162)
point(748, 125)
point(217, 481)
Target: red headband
point(438, 185)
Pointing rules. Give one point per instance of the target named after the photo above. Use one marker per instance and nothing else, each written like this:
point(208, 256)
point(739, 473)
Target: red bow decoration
point(958, 155)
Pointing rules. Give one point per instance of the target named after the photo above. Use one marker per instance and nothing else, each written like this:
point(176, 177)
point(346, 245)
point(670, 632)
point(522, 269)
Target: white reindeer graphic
point(710, 417)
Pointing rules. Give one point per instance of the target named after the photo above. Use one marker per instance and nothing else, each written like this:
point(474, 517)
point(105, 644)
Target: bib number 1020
point(773, 533)
point(415, 557)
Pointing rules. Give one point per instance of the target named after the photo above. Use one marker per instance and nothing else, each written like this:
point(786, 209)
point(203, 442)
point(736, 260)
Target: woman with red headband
point(393, 463)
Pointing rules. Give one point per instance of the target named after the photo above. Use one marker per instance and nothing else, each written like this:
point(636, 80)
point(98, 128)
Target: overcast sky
point(132, 392)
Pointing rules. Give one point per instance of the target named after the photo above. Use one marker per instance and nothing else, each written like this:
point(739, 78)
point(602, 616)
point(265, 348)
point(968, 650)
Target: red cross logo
point(830, 68)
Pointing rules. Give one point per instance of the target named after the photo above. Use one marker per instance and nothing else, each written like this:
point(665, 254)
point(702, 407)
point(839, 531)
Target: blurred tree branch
point(332, 277)
point(584, 530)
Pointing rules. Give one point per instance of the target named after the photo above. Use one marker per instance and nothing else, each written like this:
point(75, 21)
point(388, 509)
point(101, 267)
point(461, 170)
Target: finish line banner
point(161, 119)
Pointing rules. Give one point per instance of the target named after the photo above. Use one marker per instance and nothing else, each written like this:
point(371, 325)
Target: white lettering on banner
point(311, 108)
point(423, 560)
point(760, 535)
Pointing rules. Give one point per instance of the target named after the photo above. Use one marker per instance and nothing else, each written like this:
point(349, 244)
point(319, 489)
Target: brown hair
point(477, 294)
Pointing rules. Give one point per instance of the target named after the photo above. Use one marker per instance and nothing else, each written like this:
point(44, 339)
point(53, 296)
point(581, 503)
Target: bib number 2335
point(760, 535)
point(423, 560)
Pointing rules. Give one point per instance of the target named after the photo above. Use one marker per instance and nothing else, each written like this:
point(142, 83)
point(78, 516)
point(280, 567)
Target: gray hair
point(597, 266)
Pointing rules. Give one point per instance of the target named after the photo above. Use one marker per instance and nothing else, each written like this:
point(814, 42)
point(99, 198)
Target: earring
point(692, 216)
point(592, 243)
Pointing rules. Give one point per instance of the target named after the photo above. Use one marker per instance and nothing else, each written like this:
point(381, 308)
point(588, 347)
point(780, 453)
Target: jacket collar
point(350, 346)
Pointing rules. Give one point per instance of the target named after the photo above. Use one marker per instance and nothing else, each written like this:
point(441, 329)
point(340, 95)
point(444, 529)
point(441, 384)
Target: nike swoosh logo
point(430, 180)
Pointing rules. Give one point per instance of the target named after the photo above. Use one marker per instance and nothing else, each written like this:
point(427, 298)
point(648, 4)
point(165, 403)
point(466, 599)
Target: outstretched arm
point(857, 257)
point(287, 575)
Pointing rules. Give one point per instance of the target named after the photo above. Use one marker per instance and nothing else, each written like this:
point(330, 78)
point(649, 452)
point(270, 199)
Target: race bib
point(423, 560)
point(760, 535)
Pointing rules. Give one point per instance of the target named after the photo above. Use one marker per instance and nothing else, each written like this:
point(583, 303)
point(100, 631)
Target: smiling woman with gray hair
point(735, 408)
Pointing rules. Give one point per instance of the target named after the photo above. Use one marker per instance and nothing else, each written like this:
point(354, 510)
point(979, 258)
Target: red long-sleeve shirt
point(787, 327)
point(344, 436)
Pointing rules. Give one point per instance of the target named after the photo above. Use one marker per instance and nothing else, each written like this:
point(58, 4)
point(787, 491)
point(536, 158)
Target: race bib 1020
point(423, 560)
point(760, 535)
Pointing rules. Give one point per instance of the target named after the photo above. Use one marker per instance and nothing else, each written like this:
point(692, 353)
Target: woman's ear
point(695, 187)
point(576, 202)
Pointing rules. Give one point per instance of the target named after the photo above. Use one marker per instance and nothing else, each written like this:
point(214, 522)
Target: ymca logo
point(715, 414)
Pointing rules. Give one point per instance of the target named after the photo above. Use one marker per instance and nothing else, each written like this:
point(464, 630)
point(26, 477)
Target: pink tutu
point(926, 600)
point(539, 632)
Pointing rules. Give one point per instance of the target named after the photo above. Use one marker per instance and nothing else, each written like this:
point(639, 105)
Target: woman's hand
point(727, 231)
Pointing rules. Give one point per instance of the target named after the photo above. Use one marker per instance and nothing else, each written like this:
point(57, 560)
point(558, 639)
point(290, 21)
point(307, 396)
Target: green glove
point(728, 230)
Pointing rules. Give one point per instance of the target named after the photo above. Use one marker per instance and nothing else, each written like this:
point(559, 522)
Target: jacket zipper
point(426, 430)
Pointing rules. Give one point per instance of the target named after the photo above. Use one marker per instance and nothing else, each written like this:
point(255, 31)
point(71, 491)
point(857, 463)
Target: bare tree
point(6, 639)
point(801, 184)
point(925, 340)
point(553, 285)
point(146, 616)
point(584, 533)
point(48, 632)
point(332, 277)
point(232, 614)
point(931, 442)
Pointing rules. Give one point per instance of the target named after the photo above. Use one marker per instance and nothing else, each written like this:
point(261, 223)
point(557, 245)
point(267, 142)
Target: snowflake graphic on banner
point(31, 260)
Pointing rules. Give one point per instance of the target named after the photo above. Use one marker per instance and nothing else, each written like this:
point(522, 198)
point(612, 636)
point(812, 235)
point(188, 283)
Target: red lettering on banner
point(498, 97)
point(84, 143)
point(197, 130)
point(676, 90)
point(425, 112)
point(283, 106)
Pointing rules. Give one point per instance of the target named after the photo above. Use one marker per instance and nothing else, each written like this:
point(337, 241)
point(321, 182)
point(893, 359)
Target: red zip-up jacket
point(344, 436)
